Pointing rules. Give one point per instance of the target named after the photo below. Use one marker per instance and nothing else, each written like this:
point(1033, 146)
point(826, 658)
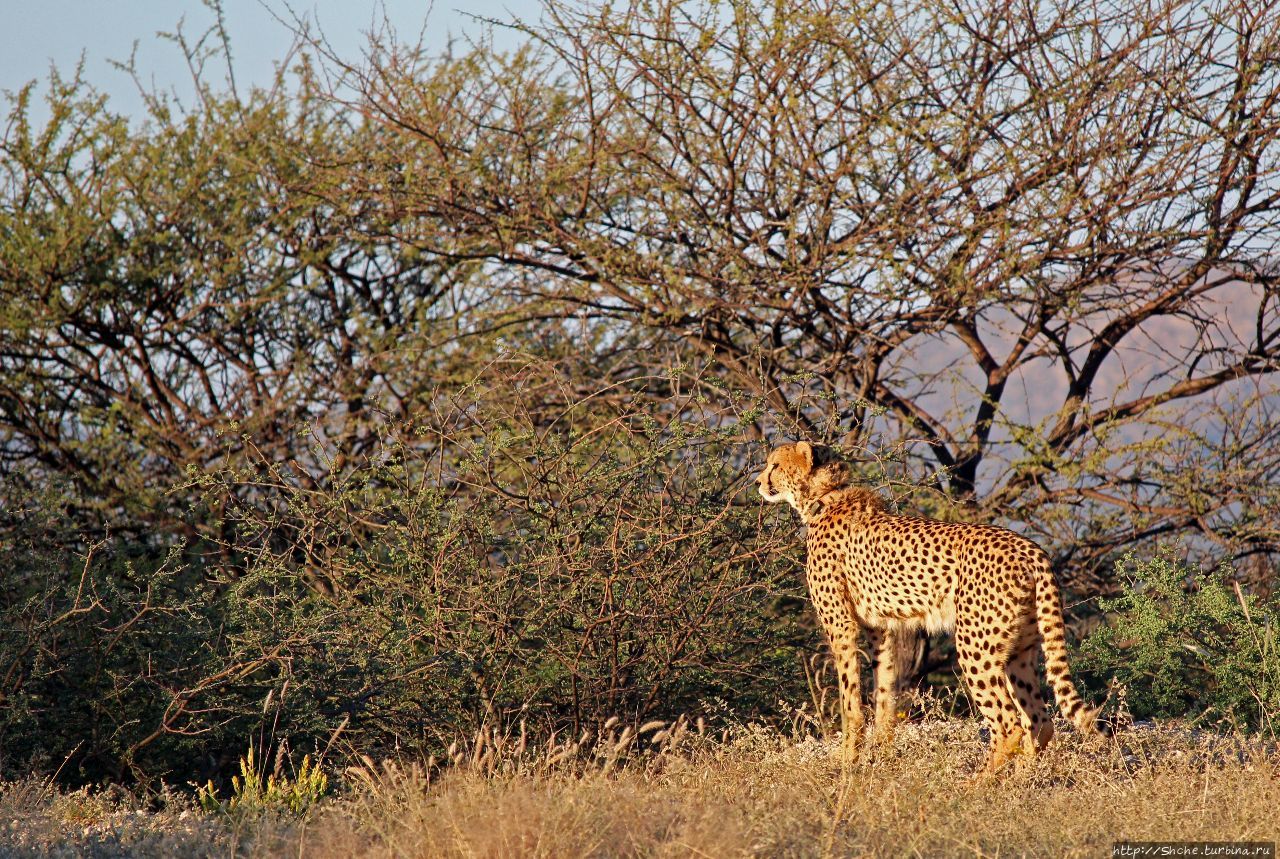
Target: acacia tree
point(411, 527)
point(166, 283)
point(1025, 252)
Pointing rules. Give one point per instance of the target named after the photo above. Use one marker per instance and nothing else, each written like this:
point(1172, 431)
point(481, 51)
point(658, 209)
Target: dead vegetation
point(755, 792)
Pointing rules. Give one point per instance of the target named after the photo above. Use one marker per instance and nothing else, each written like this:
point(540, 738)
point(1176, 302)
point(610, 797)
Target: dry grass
point(755, 794)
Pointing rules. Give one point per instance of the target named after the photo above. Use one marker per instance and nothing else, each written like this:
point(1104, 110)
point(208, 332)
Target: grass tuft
point(759, 792)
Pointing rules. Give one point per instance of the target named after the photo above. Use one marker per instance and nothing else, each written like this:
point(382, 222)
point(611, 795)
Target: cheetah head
point(799, 473)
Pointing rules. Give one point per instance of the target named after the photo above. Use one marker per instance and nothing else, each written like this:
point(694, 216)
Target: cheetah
point(872, 569)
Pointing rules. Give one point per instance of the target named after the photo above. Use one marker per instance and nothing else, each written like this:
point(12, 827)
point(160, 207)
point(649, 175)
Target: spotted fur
point(869, 569)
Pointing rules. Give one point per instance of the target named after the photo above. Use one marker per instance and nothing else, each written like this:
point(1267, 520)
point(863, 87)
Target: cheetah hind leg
point(1008, 747)
point(1009, 742)
point(1025, 685)
point(994, 698)
point(1012, 737)
point(1022, 727)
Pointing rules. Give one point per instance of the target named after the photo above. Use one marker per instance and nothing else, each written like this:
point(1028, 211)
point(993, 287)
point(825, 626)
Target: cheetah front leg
point(844, 649)
point(884, 647)
point(841, 627)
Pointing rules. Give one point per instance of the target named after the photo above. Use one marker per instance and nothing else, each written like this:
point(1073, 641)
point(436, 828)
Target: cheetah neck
point(862, 501)
point(813, 509)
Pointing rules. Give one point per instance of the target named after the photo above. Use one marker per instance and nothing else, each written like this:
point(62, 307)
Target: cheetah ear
point(805, 450)
point(833, 473)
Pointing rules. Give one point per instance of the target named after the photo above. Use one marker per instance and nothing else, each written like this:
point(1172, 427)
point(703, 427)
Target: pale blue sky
point(34, 35)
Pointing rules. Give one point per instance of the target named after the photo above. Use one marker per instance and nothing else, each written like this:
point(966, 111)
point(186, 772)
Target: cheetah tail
point(1054, 641)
